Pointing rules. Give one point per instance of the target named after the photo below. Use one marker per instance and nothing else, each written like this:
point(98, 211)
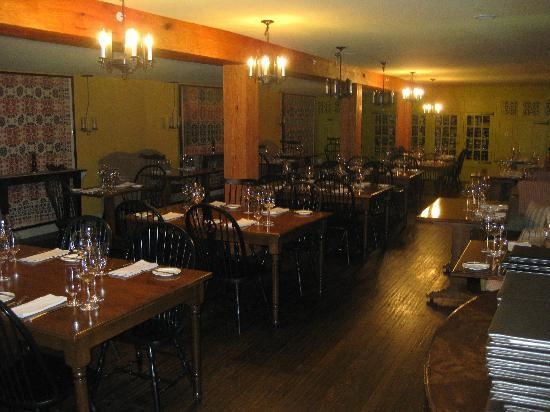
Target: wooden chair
point(234, 189)
point(62, 201)
point(166, 245)
point(222, 250)
point(29, 379)
point(153, 179)
point(130, 218)
point(337, 197)
point(71, 233)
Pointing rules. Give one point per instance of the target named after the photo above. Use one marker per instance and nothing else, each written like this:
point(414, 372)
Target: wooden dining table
point(127, 303)
point(287, 227)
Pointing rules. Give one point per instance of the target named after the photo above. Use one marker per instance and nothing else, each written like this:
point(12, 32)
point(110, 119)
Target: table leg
point(275, 287)
point(196, 338)
point(81, 389)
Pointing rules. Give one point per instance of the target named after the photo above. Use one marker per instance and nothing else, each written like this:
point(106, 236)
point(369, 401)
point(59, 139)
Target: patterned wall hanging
point(299, 121)
point(36, 116)
point(202, 119)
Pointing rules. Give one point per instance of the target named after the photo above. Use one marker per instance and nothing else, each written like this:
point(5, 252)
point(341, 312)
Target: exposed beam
point(77, 22)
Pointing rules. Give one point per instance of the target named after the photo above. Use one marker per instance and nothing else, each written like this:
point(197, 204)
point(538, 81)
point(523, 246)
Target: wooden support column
point(351, 110)
point(403, 128)
point(241, 120)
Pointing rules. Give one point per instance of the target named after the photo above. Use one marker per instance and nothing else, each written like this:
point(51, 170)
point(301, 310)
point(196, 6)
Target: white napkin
point(124, 184)
point(6, 296)
point(217, 203)
point(243, 222)
point(38, 305)
point(172, 216)
point(133, 269)
point(276, 211)
point(512, 243)
point(40, 257)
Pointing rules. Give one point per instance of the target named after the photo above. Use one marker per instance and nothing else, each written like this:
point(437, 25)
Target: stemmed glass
point(87, 274)
point(269, 203)
point(198, 193)
point(257, 214)
point(248, 196)
point(72, 285)
point(488, 224)
point(4, 255)
point(14, 246)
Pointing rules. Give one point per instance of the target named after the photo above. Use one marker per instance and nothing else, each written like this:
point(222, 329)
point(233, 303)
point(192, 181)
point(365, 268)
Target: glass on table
point(198, 193)
point(4, 255)
point(187, 196)
point(268, 203)
point(72, 285)
point(248, 194)
point(258, 204)
point(88, 273)
point(14, 246)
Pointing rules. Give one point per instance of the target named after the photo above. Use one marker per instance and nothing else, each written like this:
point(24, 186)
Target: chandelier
point(412, 93)
point(434, 108)
point(136, 53)
point(383, 97)
point(337, 87)
point(265, 69)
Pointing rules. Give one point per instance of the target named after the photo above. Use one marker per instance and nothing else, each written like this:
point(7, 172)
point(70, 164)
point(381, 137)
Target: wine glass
point(14, 246)
point(257, 213)
point(72, 285)
point(4, 255)
point(198, 193)
point(269, 203)
point(247, 197)
point(487, 224)
point(87, 274)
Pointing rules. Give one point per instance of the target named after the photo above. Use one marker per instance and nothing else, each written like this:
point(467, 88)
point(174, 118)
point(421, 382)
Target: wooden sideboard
point(25, 178)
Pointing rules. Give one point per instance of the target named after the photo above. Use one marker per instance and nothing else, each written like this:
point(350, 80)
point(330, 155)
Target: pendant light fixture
point(434, 108)
point(383, 97)
point(411, 92)
point(339, 88)
point(136, 53)
point(88, 124)
point(266, 69)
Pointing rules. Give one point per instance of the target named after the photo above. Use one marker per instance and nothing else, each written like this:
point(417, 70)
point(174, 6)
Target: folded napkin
point(243, 222)
point(172, 216)
point(133, 269)
point(38, 305)
point(40, 257)
point(276, 211)
point(217, 203)
point(6, 296)
point(512, 243)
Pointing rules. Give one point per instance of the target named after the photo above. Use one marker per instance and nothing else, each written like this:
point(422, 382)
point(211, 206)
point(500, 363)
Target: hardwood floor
point(359, 347)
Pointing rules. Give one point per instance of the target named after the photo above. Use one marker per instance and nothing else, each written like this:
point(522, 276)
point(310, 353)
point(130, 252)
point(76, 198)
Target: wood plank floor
point(359, 347)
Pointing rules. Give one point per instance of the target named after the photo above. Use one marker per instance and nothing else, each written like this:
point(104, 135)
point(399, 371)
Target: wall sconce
point(174, 120)
point(92, 127)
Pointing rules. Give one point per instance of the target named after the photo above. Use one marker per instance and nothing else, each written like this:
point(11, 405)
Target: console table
point(25, 178)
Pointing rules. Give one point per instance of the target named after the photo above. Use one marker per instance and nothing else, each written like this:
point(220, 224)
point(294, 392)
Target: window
point(384, 133)
point(478, 130)
point(445, 133)
point(418, 137)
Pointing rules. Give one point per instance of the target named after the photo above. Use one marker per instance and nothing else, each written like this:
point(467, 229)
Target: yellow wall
point(507, 130)
point(327, 123)
point(131, 115)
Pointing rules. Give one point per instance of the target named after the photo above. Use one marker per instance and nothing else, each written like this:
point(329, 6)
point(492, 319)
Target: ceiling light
point(136, 53)
point(84, 125)
point(337, 87)
point(383, 97)
point(434, 108)
point(266, 69)
point(411, 92)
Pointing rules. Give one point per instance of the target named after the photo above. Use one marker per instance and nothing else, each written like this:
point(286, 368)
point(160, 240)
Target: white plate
point(166, 272)
point(303, 212)
point(233, 206)
point(6, 296)
point(476, 265)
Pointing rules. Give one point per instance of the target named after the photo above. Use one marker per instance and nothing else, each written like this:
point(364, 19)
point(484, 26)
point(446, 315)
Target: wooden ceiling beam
point(77, 22)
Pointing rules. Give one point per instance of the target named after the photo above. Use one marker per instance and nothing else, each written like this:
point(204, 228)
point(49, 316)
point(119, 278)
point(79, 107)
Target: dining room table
point(456, 213)
point(109, 197)
point(436, 171)
point(126, 303)
point(287, 227)
point(411, 181)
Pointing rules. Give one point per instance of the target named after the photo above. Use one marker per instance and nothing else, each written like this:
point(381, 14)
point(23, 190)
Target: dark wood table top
point(473, 253)
point(102, 193)
point(126, 303)
point(448, 210)
point(455, 375)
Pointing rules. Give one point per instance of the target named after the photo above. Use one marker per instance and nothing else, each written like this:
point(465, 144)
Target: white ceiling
point(438, 39)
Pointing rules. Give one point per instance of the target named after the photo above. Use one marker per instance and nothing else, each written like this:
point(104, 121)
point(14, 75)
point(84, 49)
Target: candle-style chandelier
point(266, 69)
point(434, 108)
point(412, 92)
point(136, 53)
point(337, 87)
point(383, 97)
